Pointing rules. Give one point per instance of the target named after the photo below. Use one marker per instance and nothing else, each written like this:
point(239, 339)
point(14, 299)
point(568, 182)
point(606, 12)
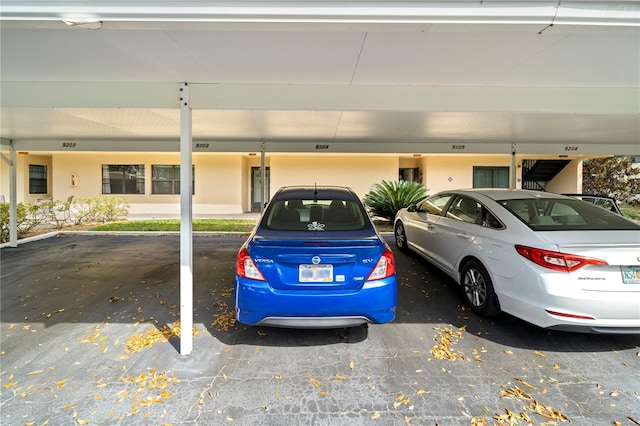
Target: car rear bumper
point(550, 302)
point(257, 303)
point(314, 322)
point(596, 329)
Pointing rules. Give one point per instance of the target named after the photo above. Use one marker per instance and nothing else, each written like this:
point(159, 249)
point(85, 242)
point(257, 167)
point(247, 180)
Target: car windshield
point(315, 215)
point(551, 214)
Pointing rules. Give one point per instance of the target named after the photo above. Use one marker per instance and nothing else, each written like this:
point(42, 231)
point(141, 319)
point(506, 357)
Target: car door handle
point(465, 236)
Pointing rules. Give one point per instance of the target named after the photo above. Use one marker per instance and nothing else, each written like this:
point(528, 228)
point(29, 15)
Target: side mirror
point(412, 208)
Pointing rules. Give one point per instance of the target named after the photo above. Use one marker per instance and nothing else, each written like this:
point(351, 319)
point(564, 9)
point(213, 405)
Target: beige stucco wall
point(223, 181)
point(357, 171)
point(23, 160)
point(569, 180)
point(4, 177)
point(218, 180)
point(446, 172)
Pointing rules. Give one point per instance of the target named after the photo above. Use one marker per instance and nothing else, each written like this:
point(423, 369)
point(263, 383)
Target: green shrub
point(386, 198)
point(82, 211)
point(109, 209)
point(57, 212)
point(62, 213)
point(28, 216)
point(98, 209)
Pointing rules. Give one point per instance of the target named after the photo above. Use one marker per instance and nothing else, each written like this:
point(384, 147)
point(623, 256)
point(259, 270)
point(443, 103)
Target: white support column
point(514, 169)
point(186, 223)
point(13, 200)
point(13, 210)
point(263, 177)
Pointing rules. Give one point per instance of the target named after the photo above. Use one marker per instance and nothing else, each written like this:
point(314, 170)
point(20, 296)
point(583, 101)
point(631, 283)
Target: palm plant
point(386, 198)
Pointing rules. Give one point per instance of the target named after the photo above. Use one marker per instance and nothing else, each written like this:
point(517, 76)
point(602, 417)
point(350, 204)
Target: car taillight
point(385, 267)
point(246, 268)
point(556, 260)
point(567, 315)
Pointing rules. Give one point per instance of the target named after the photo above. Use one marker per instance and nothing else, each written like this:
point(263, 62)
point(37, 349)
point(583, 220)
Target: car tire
point(401, 237)
point(477, 289)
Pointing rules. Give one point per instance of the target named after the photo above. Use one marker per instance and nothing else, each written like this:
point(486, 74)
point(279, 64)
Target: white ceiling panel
point(272, 57)
point(387, 72)
point(265, 124)
point(498, 59)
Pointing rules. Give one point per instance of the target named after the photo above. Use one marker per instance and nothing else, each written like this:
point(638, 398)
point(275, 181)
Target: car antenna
point(315, 192)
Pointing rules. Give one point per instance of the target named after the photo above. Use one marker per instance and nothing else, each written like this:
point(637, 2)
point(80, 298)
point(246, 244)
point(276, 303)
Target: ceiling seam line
point(553, 20)
point(355, 68)
point(335, 131)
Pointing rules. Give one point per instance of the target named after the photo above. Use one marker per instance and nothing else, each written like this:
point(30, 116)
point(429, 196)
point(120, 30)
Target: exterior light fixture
point(90, 24)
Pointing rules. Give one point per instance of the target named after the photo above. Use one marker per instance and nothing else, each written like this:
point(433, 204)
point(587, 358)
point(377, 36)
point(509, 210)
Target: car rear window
point(315, 215)
point(551, 214)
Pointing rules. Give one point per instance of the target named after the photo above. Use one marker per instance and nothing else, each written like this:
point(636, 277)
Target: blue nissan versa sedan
point(315, 260)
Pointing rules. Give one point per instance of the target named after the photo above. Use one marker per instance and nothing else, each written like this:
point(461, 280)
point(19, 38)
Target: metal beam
point(337, 12)
point(569, 100)
point(47, 94)
point(371, 146)
point(186, 224)
point(98, 145)
point(570, 149)
point(6, 159)
point(5, 144)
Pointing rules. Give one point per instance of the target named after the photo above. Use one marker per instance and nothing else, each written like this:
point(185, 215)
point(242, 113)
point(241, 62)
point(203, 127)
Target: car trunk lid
point(318, 263)
point(622, 272)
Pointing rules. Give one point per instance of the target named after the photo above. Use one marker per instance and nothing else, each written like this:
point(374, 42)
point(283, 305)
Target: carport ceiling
point(356, 76)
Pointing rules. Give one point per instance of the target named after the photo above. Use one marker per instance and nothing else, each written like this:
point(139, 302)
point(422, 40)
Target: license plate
point(630, 274)
point(315, 273)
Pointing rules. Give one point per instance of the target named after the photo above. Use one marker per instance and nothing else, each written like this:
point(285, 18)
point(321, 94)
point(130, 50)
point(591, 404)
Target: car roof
point(499, 194)
point(308, 191)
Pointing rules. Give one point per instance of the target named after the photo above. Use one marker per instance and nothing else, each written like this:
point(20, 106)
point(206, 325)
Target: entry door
point(256, 188)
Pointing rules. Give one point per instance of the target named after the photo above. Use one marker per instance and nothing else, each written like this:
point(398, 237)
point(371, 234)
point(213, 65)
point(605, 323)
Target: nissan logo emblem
point(315, 260)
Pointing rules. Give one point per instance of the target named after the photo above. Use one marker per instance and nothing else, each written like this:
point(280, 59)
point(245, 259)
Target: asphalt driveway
point(85, 322)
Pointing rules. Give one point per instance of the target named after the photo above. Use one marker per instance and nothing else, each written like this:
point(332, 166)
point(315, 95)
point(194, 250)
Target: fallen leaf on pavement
point(314, 382)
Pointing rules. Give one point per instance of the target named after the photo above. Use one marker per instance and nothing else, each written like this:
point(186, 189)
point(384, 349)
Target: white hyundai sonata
point(552, 260)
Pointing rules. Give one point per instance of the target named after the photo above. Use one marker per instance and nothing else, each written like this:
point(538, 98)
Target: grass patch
point(168, 225)
point(383, 225)
point(199, 225)
point(632, 212)
point(247, 225)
